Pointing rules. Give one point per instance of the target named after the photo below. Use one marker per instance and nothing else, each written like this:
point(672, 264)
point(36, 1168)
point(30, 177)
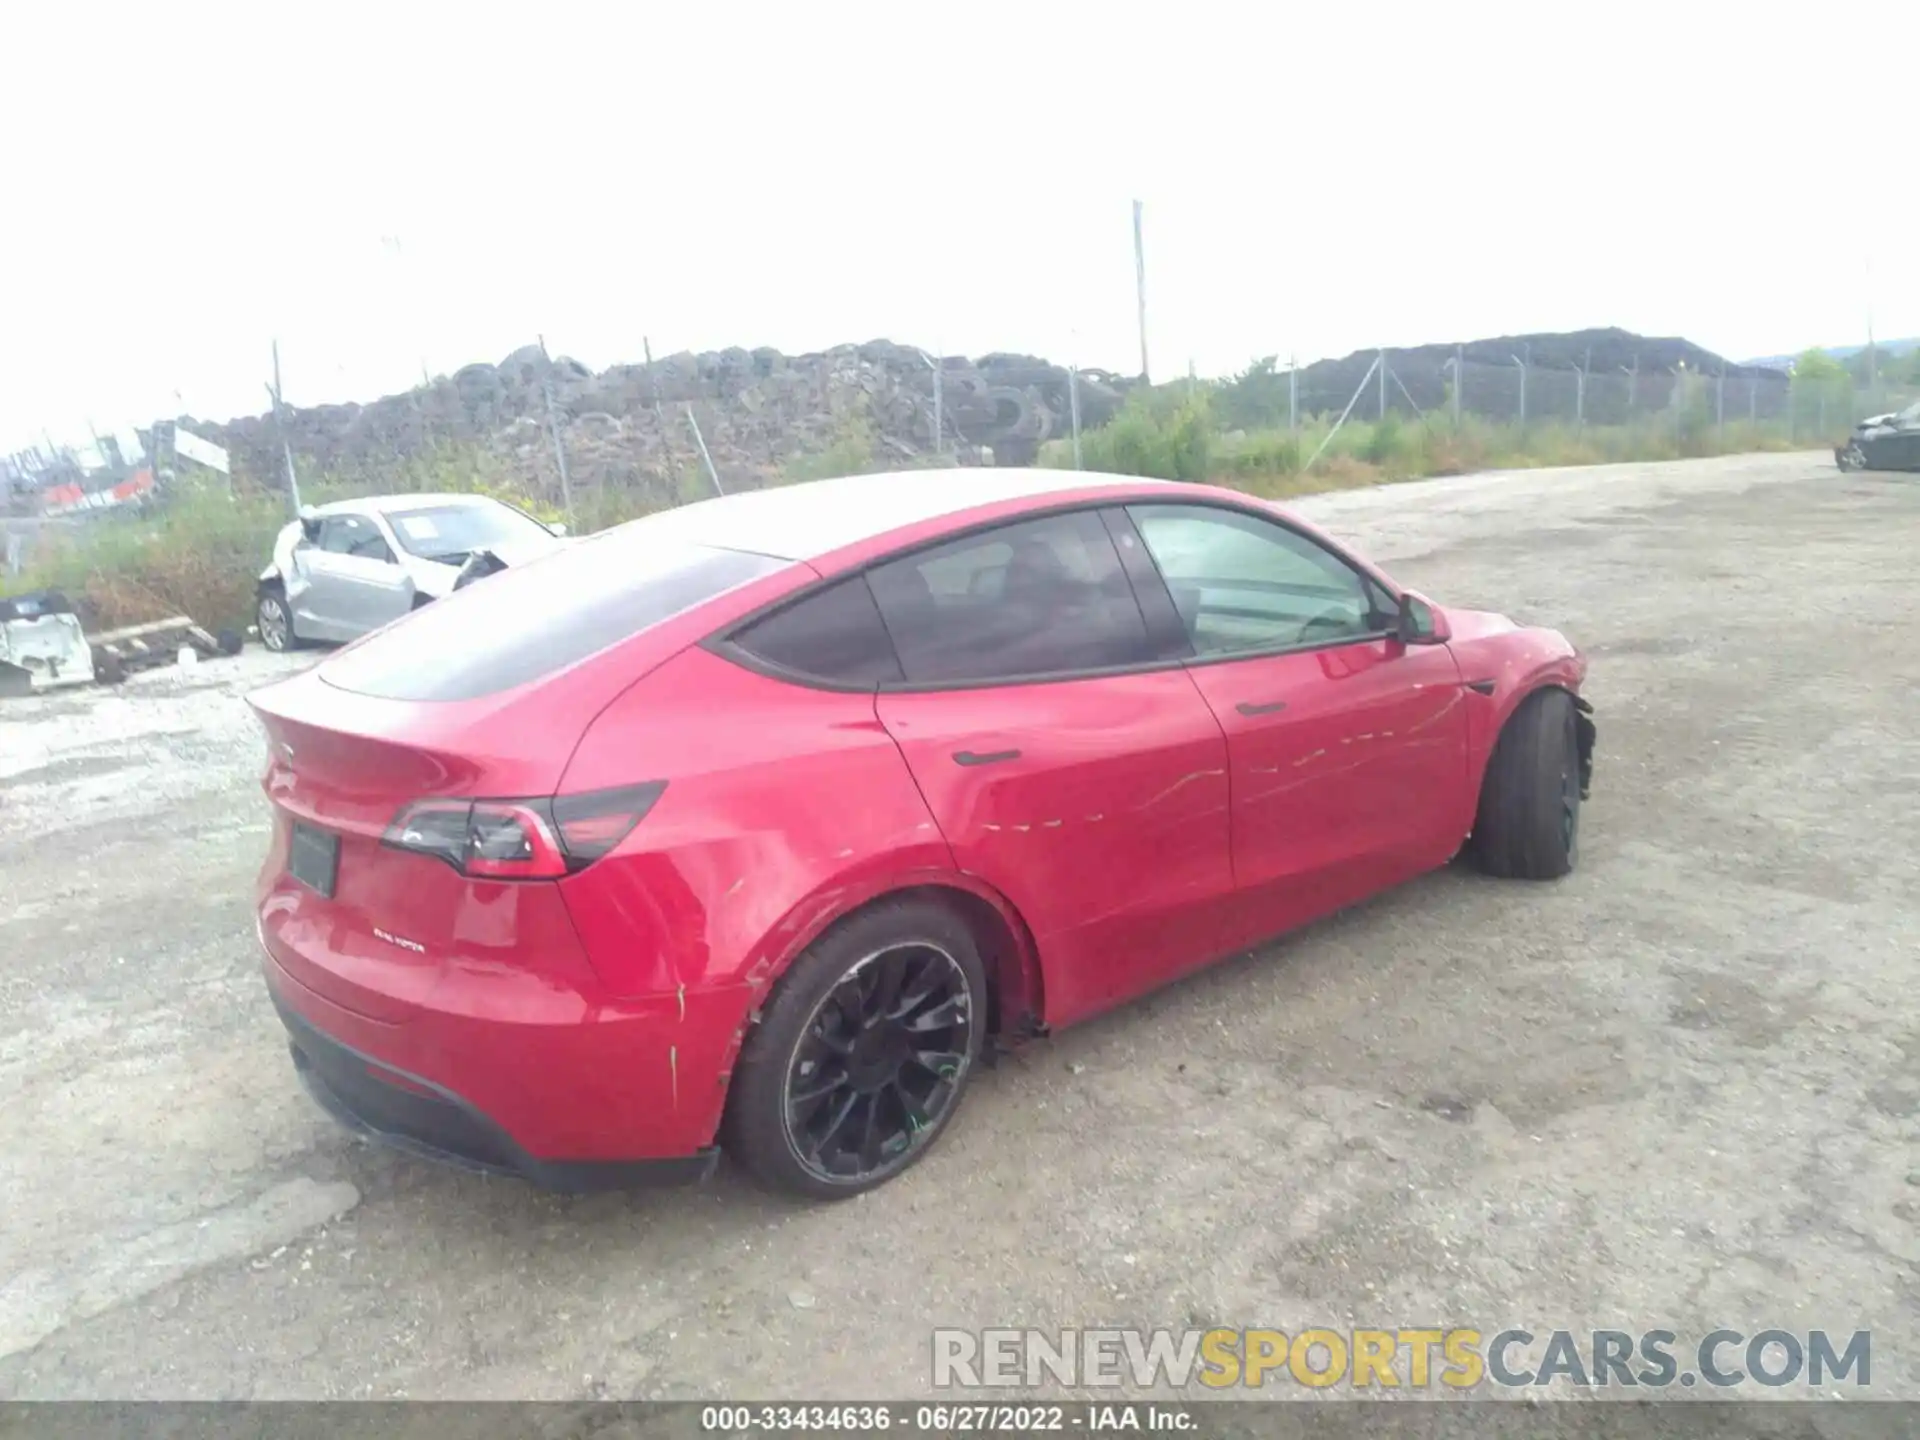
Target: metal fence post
point(700, 443)
point(660, 418)
point(1073, 406)
point(1358, 391)
point(553, 426)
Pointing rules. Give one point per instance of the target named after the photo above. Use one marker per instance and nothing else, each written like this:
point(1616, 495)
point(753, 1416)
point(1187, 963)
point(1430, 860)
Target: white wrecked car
point(344, 569)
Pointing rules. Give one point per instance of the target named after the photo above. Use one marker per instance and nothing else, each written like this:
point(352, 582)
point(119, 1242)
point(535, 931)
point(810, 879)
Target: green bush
point(852, 452)
point(1159, 434)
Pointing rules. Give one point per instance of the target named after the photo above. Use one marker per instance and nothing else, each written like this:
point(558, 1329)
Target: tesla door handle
point(992, 757)
point(1269, 709)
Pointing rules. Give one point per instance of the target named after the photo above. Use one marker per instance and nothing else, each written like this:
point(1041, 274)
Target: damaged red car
point(754, 825)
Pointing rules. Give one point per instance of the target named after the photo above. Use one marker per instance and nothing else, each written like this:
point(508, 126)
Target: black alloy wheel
point(879, 1063)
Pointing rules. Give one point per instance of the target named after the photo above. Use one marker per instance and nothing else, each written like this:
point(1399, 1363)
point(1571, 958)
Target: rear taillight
point(522, 839)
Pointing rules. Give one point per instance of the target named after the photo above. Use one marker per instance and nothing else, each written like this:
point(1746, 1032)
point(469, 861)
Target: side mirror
point(558, 528)
point(1420, 622)
point(309, 522)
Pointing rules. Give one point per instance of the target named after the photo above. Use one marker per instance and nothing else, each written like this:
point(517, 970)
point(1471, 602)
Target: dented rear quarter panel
point(785, 807)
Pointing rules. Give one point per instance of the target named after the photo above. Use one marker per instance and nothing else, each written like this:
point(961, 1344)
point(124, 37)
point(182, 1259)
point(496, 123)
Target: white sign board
point(130, 447)
point(189, 446)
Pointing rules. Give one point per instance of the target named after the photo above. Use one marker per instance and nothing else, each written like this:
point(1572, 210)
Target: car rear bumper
point(572, 1091)
point(414, 1115)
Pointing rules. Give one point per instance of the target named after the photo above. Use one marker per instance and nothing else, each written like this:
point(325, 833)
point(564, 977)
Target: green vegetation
point(200, 550)
point(1226, 432)
point(854, 450)
point(1166, 432)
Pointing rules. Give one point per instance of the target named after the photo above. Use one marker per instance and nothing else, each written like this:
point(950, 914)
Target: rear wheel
point(275, 620)
point(1852, 457)
point(1528, 827)
point(863, 1054)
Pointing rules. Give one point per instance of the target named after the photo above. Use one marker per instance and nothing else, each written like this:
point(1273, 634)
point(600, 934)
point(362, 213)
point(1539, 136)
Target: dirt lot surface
point(1678, 1089)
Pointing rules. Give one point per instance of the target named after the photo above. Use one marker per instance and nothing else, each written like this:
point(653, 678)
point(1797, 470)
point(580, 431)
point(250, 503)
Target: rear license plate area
point(313, 858)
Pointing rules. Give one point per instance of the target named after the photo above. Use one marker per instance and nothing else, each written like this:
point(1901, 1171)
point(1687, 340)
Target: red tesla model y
point(752, 824)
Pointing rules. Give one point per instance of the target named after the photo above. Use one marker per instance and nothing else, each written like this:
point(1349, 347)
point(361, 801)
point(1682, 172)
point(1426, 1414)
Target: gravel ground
point(1678, 1089)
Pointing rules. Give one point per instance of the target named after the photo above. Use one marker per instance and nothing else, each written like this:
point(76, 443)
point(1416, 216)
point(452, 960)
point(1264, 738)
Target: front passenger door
point(1066, 757)
point(1347, 748)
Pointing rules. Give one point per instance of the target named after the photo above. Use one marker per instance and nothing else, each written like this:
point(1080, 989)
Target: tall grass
point(1276, 461)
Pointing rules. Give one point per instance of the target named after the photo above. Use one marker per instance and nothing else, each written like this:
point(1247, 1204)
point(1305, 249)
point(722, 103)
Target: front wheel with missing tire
point(863, 1054)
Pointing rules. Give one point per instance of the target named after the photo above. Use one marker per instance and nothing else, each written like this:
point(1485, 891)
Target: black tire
point(109, 670)
point(229, 642)
point(1528, 827)
point(274, 618)
point(833, 1026)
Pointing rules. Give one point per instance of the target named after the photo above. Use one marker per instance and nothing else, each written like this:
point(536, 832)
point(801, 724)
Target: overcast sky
point(180, 188)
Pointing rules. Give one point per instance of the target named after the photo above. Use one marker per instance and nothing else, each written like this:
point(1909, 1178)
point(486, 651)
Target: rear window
point(530, 621)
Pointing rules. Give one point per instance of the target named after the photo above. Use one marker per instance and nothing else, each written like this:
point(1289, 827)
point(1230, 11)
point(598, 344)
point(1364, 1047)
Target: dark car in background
point(1883, 442)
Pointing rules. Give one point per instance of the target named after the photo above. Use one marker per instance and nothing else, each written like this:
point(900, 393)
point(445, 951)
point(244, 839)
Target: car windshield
point(453, 532)
point(1910, 415)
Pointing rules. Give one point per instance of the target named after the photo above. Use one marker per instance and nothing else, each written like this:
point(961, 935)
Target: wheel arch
point(1015, 980)
point(1517, 700)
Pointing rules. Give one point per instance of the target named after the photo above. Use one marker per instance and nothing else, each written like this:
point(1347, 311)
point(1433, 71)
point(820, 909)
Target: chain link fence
point(596, 447)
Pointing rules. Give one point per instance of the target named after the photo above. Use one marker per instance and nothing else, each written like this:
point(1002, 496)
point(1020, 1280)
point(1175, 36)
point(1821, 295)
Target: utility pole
point(1140, 288)
point(700, 441)
point(1293, 394)
point(1383, 384)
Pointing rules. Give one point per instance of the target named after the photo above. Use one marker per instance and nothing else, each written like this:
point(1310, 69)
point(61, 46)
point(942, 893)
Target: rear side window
point(1035, 598)
point(834, 634)
point(532, 620)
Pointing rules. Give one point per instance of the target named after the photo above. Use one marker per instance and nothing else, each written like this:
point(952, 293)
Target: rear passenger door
point(1067, 758)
